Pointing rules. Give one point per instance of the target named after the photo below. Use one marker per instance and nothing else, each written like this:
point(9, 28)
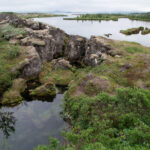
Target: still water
point(88, 28)
point(35, 121)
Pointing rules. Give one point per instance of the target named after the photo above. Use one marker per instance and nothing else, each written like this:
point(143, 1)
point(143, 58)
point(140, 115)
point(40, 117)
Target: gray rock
point(75, 48)
point(34, 65)
point(61, 64)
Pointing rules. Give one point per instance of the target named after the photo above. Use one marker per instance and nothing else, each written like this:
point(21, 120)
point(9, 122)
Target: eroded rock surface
point(44, 43)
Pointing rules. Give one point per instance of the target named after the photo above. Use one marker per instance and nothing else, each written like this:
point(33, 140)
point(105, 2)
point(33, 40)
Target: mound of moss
point(132, 31)
point(146, 31)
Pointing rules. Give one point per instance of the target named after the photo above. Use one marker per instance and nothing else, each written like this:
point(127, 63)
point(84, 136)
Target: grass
point(99, 17)
point(58, 76)
point(133, 50)
point(39, 15)
point(10, 31)
point(10, 56)
point(114, 17)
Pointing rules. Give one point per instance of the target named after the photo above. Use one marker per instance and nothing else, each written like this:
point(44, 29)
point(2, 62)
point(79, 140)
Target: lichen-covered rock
point(28, 41)
point(32, 65)
point(94, 49)
point(61, 64)
point(47, 90)
point(75, 48)
point(13, 96)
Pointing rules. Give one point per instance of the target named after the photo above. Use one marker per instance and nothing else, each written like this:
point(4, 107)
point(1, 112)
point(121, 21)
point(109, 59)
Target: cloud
point(74, 5)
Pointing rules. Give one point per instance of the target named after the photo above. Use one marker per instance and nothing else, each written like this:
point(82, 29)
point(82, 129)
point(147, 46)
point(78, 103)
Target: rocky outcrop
point(51, 43)
point(31, 65)
point(42, 43)
point(96, 47)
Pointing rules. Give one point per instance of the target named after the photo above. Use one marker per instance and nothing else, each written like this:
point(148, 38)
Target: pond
point(88, 28)
point(31, 123)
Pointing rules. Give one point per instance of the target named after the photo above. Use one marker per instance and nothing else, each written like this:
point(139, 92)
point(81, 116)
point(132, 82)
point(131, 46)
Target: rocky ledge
point(48, 56)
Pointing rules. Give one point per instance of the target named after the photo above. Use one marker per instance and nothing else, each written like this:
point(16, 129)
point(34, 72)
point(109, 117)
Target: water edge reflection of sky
point(88, 28)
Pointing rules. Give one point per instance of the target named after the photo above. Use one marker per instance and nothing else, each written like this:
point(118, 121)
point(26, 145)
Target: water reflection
point(100, 28)
point(7, 123)
point(36, 122)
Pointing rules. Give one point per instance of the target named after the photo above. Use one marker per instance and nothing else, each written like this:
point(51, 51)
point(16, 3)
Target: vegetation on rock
point(146, 31)
point(46, 90)
point(132, 31)
point(13, 95)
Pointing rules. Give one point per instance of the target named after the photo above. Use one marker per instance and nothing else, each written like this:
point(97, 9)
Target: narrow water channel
point(25, 126)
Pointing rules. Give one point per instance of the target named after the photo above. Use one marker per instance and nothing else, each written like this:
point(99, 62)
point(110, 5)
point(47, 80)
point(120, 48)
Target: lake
point(88, 28)
point(35, 121)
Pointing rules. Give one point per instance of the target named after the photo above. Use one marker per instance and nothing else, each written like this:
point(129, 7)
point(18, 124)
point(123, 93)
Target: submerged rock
point(13, 95)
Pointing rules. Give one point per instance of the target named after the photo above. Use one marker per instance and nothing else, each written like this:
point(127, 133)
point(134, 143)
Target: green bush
point(117, 122)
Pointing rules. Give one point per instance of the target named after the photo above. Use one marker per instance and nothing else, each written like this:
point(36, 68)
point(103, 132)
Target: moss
point(10, 56)
point(46, 90)
point(146, 31)
point(62, 77)
point(58, 76)
point(132, 31)
point(13, 95)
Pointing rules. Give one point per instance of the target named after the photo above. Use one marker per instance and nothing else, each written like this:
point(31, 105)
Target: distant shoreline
point(113, 17)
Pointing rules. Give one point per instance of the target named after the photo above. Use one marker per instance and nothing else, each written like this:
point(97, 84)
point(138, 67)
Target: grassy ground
point(10, 56)
point(114, 120)
point(39, 15)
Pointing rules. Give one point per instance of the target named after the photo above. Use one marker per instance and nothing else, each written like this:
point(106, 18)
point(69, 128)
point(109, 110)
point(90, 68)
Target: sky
point(74, 5)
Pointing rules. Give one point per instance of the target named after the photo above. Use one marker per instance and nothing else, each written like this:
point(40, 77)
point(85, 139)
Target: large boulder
point(96, 47)
point(13, 96)
point(32, 64)
point(75, 48)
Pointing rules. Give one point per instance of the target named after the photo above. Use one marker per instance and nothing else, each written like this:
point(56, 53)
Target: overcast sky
point(74, 5)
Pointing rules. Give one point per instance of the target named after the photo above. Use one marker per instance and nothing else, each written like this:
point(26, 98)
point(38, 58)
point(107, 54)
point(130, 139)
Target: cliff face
point(47, 42)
